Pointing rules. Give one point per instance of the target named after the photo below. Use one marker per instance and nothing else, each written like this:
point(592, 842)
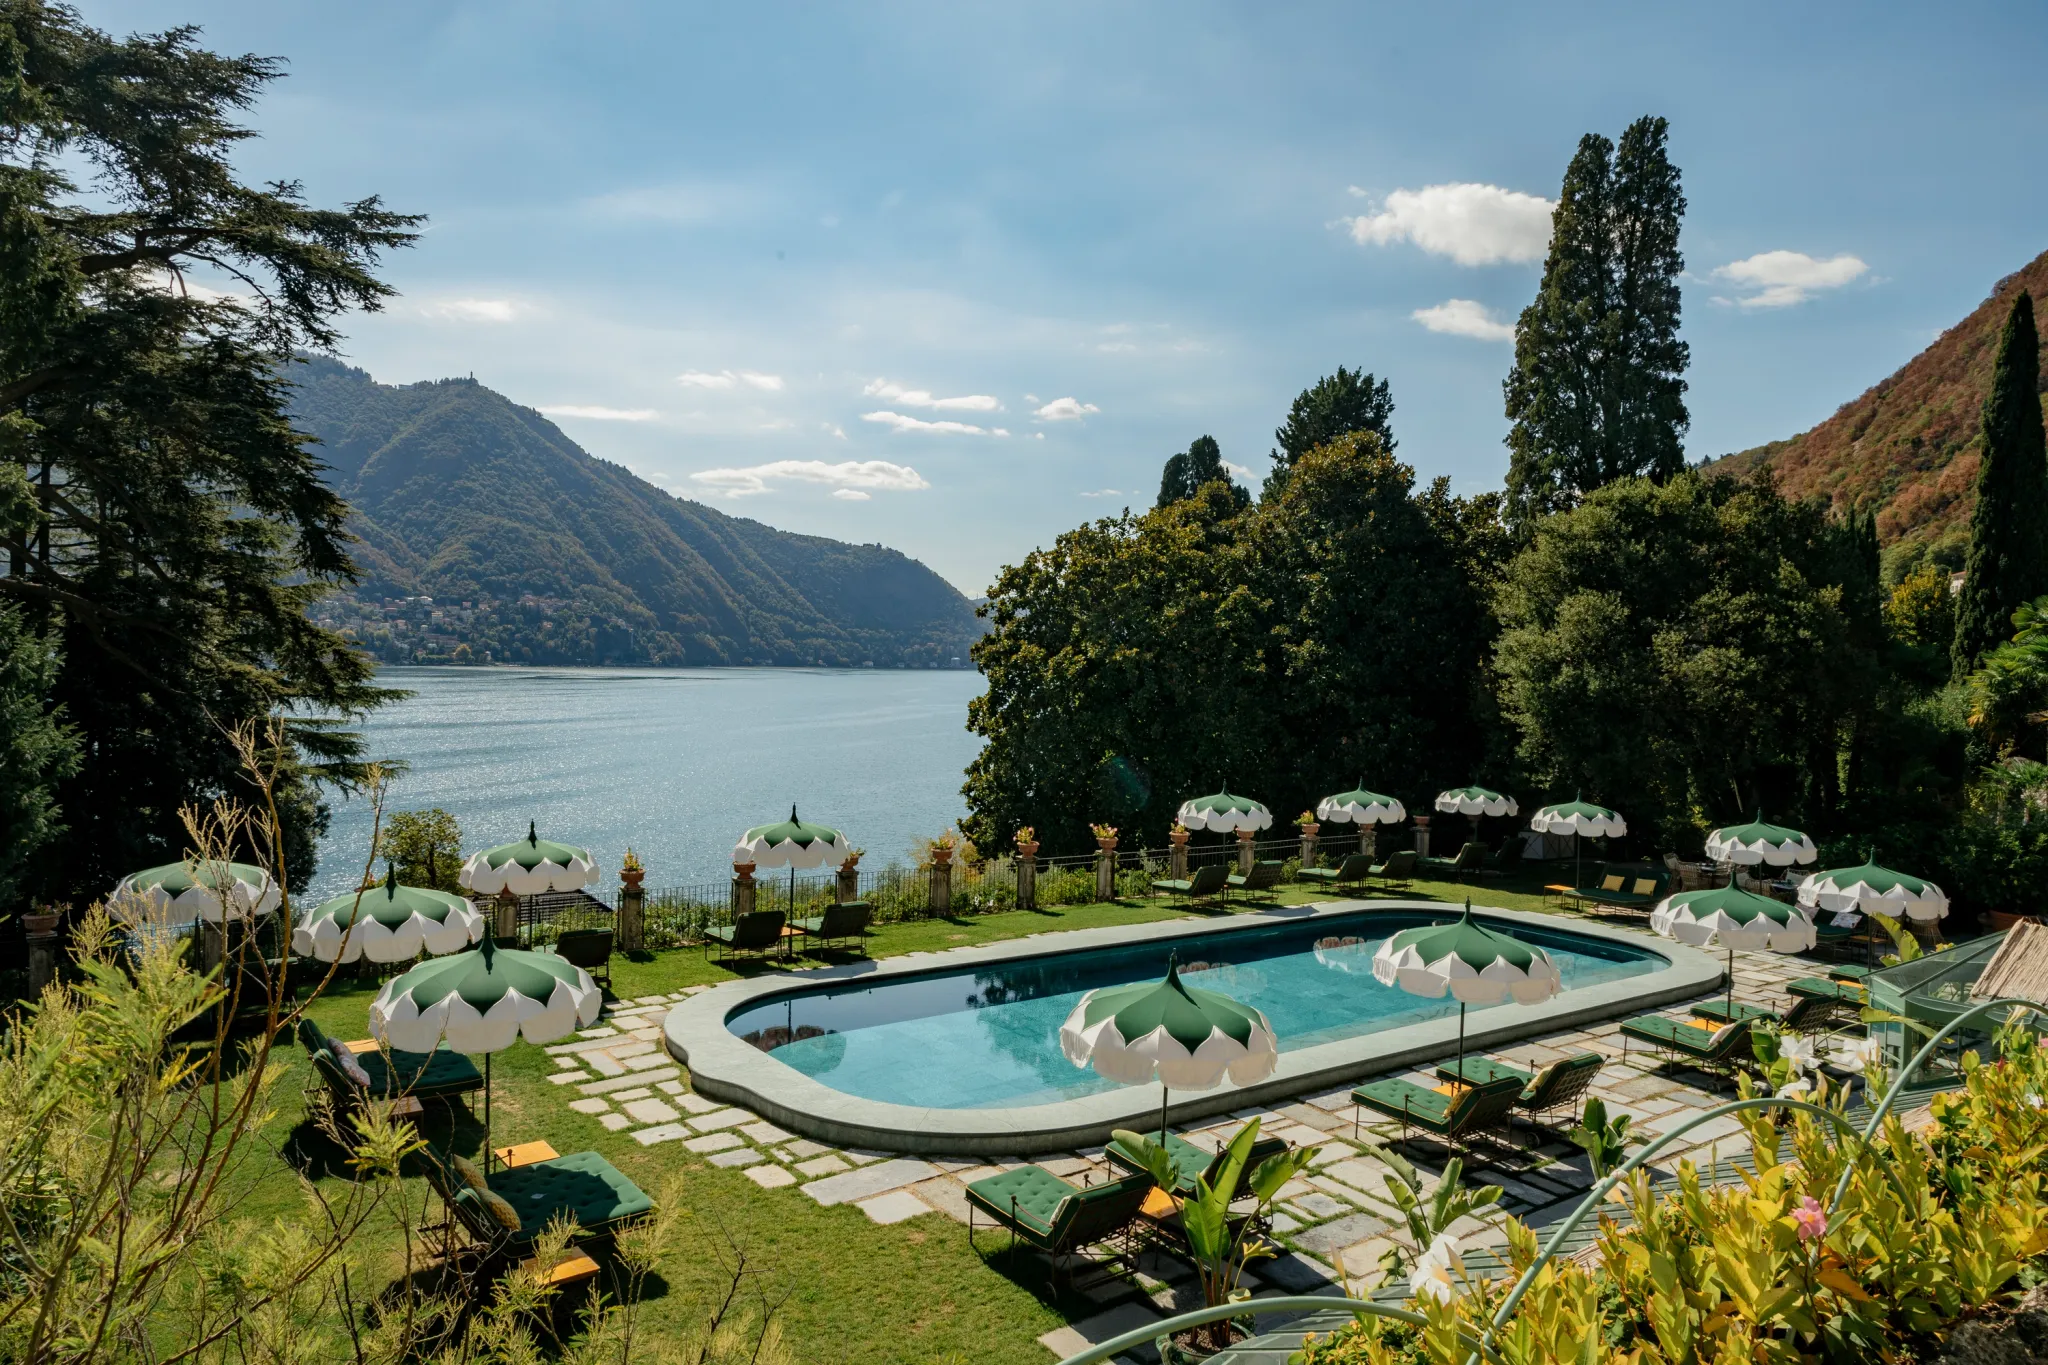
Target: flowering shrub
point(1932, 1228)
point(1104, 831)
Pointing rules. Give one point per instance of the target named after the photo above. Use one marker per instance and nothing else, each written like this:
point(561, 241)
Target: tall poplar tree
point(177, 528)
point(2008, 562)
point(1597, 392)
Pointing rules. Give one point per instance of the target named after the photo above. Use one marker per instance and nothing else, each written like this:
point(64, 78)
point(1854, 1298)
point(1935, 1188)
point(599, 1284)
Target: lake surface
point(678, 763)
point(990, 1036)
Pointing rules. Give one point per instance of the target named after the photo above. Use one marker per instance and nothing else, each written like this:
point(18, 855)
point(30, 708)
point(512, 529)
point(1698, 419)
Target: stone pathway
point(1329, 1222)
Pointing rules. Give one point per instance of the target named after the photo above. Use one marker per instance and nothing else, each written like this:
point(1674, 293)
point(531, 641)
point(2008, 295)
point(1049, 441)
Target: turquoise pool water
point(989, 1038)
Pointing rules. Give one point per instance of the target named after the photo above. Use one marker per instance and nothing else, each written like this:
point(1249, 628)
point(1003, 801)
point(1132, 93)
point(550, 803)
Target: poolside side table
point(525, 1154)
point(361, 1045)
point(1563, 893)
point(790, 934)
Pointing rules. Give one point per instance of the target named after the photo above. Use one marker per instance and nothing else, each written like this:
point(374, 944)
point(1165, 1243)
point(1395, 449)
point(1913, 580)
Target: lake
point(678, 763)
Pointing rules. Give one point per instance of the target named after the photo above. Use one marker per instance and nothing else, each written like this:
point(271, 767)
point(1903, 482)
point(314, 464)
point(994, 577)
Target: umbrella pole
point(1731, 986)
point(1162, 1113)
point(1461, 1043)
point(487, 1111)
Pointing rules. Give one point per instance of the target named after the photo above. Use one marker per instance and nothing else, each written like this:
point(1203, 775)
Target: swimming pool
point(957, 1052)
point(988, 1036)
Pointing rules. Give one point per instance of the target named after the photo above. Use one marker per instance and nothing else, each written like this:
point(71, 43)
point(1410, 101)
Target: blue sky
point(806, 263)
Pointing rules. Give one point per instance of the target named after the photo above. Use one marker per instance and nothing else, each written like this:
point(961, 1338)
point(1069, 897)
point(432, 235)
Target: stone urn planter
point(942, 857)
point(1179, 838)
point(41, 924)
point(743, 873)
point(631, 877)
point(1311, 830)
point(1106, 845)
point(1029, 850)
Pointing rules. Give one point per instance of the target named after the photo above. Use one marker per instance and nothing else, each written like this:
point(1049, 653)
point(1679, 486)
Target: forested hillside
point(534, 551)
point(1908, 448)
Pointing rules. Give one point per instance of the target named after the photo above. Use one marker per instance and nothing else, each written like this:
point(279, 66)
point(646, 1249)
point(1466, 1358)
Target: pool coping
point(723, 1067)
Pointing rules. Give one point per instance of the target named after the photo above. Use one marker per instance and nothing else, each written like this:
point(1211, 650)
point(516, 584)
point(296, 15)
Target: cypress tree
point(1201, 463)
point(1597, 392)
point(1335, 405)
point(2008, 562)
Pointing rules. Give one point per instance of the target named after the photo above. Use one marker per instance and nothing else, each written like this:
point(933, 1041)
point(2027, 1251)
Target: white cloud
point(1117, 347)
point(729, 379)
point(599, 414)
point(1471, 224)
point(846, 476)
point(1106, 493)
point(1783, 278)
point(999, 431)
point(1064, 410)
point(852, 494)
point(896, 421)
point(472, 310)
point(1238, 471)
point(1464, 318)
point(922, 398)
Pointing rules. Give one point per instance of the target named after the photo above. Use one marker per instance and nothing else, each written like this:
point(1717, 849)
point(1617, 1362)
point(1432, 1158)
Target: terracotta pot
point(631, 877)
point(2001, 920)
point(1029, 850)
point(852, 862)
point(1179, 837)
point(744, 873)
point(41, 924)
point(1106, 845)
point(1310, 830)
point(942, 857)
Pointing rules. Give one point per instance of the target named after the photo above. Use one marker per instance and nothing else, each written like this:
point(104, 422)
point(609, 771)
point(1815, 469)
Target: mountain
point(1908, 448)
point(534, 551)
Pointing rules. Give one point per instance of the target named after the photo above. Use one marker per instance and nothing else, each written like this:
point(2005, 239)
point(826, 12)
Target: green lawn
point(911, 1292)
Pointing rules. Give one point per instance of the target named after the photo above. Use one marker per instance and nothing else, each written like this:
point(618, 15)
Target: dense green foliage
point(1330, 631)
point(37, 750)
point(426, 846)
point(1597, 391)
point(1335, 405)
point(463, 496)
point(177, 526)
point(2008, 563)
point(1736, 632)
point(1201, 463)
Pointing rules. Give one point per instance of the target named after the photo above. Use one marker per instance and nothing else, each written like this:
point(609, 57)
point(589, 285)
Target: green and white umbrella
point(483, 1001)
point(1579, 819)
point(791, 843)
point(388, 923)
point(178, 893)
point(1181, 1036)
point(1757, 842)
point(1475, 802)
point(1361, 807)
point(528, 867)
point(1873, 890)
point(1475, 964)
point(1729, 917)
point(1224, 813)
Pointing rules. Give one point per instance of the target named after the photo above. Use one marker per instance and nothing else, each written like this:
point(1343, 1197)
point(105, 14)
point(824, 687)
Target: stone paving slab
point(1076, 1337)
point(649, 1111)
point(946, 1195)
point(594, 1104)
point(606, 1087)
point(870, 1180)
point(897, 1206)
point(667, 1132)
point(614, 1122)
point(715, 1142)
point(828, 1164)
point(770, 1177)
point(738, 1156)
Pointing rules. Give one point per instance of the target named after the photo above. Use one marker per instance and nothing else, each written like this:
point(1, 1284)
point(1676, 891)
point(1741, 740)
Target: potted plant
point(942, 849)
point(743, 873)
point(1306, 823)
point(1219, 1241)
point(1105, 837)
point(1027, 842)
point(631, 870)
point(1179, 833)
point(853, 857)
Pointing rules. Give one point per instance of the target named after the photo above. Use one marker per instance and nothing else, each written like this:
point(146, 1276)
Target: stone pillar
point(1308, 843)
point(1027, 876)
point(213, 944)
point(505, 917)
point(42, 950)
point(1369, 839)
point(1422, 836)
point(632, 916)
point(1105, 869)
point(939, 900)
point(846, 886)
point(742, 890)
point(1245, 854)
point(1177, 856)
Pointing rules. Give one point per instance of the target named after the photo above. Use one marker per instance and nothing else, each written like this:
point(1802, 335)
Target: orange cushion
point(1610, 883)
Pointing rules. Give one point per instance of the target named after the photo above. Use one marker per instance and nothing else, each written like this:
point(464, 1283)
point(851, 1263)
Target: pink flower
point(1809, 1219)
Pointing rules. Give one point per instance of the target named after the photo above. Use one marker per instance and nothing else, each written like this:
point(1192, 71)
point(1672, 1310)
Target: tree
point(1201, 463)
point(2008, 562)
point(1335, 405)
point(1690, 648)
point(426, 845)
point(1597, 391)
point(1144, 659)
point(37, 750)
point(179, 526)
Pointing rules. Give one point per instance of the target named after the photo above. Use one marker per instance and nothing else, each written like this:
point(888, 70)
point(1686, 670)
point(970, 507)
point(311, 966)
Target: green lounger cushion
point(1719, 1012)
point(1818, 988)
point(582, 1184)
point(1405, 1099)
point(1036, 1192)
point(1690, 1039)
point(421, 1074)
point(1355, 868)
point(1849, 972)
point(1192, 1160)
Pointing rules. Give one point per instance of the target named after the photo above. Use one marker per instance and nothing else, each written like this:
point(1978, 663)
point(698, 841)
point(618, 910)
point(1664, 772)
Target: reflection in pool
point(989, 1037)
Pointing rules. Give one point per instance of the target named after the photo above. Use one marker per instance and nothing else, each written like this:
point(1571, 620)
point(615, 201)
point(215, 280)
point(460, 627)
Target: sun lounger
point(1264, 876)
point(1635, 888)
point(1544, 1092)
point(1352, 871)
point(846, 922)
point(1056, 1217)
point(755, 934)
point(1453, 1113)
point(1712, 1047)
point(590, 949)
point(438, 1075)
point(582, 1186)
point(1806, 1013)
point(1471, 858)
point(1207, 883)
point(1398, 867)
